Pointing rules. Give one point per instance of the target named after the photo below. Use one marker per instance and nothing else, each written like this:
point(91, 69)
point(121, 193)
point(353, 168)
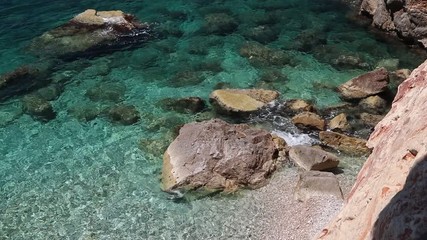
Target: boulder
point(365, 85)
point(339, 123)
point(311, 158)
point(309, 120)
point(183, 105)
point(241, 101)
point(84, 112)
point(215, 155)
point(347, 144)
point(38, 108)
point(316, 183)
point(91, 33)
point(298, 105)
point(123, 114)
point(389, 198)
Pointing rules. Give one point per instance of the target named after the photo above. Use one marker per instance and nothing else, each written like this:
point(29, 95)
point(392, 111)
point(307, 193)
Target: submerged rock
point(38, 108)
point(215, 155)
point(260, 55)
point(365, 85)
point(311, 158)
point(220, 23)
point(22, 80)
point(183, 105)
point(373, 104)
point(316, 183)
point(241, 101)
point(113, 92)
point(92, 32)
point(124, 114)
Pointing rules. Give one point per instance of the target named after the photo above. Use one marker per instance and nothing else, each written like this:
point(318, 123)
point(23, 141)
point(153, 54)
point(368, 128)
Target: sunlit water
point(67, 179)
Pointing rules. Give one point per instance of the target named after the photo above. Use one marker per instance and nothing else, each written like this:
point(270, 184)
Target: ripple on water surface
point(98, 180)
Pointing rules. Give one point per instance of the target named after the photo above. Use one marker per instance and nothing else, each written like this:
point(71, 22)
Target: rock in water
point(365, 85)
point(389, 198)
point(215, 155)
point(241, 101)
point(90, 33)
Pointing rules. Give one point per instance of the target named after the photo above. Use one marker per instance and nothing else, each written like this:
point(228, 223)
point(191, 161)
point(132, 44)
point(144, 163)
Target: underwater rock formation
point(91, 33)
point(388, 200)
point(215, 155)
point(408, 19)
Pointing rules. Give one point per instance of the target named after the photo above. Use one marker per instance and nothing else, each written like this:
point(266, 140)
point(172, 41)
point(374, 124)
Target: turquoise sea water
point(68, 179)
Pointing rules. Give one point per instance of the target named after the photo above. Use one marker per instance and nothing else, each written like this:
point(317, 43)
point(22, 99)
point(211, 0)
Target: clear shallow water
point(95, 180)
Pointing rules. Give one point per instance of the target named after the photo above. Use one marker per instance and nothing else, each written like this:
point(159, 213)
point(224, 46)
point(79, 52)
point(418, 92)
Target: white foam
point(293, 139)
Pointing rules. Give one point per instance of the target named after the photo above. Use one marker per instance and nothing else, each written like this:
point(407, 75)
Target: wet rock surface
point(311, 158)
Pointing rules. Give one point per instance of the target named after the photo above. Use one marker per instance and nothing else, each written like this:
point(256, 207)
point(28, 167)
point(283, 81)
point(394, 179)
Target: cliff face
point(389, 198)
point(406, 18)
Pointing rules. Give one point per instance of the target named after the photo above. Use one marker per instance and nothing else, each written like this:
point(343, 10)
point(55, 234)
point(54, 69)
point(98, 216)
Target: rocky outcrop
point(365, 85)
point(215, 155)
point(92, 32)
point(241, 101)
point(388, 200)
point(311, 158)
point(408, 19)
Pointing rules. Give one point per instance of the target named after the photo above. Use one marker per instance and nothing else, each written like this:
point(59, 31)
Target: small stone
point(311, 158)
point(309, 120)
point(315, 183)
point(365, 85)
point(339, 123)
point(124, 114)
point(299, 105)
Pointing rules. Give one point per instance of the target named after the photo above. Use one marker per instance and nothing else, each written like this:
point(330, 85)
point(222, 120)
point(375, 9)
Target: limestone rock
point(316, 183)
point(124, 114)
point(309, 120)
point(347, 144)
point(241, 101)
point(90, 33)
point(365, 85)
point(339, 123)
point(388, 200)
point(216, 155)
point(310, 158)
point(38, 108)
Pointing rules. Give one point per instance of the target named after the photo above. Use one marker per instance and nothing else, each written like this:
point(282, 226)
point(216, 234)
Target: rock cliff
point(389, 198)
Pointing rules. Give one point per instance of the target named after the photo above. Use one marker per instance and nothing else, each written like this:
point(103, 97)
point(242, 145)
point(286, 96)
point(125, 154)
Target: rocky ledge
point(408, 19)
point(92, 32)
point(388, 200)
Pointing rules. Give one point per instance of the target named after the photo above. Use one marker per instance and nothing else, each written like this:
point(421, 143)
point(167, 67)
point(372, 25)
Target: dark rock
point(371, 119)
point(91, 33)
point(309, 120)
point(123, 114)
point(365, 85)
point(183, 105)
point(38, 108)
point(113, 92)
point(311, 158)
point(373, 104)
point(220, 23)
point(22, 80)
point(316, 183)
point(215, 155)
